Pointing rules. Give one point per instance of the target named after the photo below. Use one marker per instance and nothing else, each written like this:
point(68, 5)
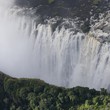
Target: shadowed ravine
point(59, 54)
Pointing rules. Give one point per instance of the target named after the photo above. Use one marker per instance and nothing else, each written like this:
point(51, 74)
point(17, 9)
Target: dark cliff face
point(83, 9)
point(67, 8)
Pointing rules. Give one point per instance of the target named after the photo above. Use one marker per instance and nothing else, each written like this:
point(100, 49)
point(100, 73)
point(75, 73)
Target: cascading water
point(64, 57)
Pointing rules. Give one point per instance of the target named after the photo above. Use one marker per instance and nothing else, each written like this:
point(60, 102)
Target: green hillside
point(34, 94)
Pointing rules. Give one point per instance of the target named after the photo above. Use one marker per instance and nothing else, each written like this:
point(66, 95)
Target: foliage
point(50, 1)
point(34, 94)
point(95, 2)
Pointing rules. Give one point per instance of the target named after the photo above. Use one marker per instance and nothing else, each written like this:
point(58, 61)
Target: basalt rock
point(83, 9)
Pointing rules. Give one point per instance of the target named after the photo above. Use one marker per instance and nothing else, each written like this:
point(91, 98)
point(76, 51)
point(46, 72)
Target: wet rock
point(83, 9)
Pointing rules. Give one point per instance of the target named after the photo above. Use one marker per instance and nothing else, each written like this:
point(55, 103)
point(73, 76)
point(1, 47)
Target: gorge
point(66, 50)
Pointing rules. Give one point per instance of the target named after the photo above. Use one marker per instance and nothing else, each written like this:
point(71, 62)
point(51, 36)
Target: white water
point(63, 58)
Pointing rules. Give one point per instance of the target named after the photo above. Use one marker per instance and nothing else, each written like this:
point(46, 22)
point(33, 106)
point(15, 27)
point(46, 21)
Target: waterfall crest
point(64, 57)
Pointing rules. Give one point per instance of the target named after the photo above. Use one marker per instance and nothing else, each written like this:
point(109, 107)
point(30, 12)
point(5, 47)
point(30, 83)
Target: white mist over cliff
point(65, 57)
point(6, 4)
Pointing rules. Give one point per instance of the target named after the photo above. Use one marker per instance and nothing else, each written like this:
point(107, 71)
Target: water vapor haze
point(65, 57)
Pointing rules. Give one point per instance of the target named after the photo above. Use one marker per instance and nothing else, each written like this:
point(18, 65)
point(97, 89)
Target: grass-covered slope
point(34, 94)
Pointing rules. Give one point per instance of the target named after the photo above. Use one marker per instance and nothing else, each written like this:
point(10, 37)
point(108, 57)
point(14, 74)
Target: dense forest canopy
point(34, 94)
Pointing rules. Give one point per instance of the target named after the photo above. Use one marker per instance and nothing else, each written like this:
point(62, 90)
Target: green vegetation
point(34, 94)
point(95, 2)
point(50, 1)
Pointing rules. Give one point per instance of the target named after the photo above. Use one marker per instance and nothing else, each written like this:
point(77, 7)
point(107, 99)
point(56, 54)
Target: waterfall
point(64, 57)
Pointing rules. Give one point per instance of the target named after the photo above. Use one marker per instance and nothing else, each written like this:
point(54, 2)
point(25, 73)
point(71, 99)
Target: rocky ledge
point(83, 9)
